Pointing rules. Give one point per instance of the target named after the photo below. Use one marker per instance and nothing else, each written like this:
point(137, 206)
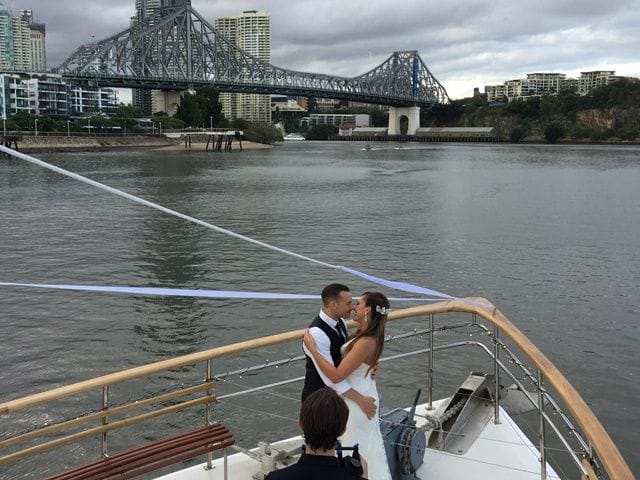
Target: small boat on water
point(514, 417)
point(293, 137)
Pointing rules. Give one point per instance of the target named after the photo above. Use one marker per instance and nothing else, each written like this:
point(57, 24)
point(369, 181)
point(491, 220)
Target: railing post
point(209, 421)
point(541, 433)
point(496, 376)
point(430, 365)
point(105, 420)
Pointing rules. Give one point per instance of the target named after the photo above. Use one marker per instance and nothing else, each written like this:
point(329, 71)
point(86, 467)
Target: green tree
point(240, 124)
point(529, 108)
point(167, 122)
point(201, 108)
point(580, 132)
point(517, 134)
point(262, 133)
point(553, 132)
point(321, 132)
point(46, 124)
point(23, 121)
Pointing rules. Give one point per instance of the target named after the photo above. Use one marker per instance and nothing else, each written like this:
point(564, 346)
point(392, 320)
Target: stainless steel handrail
point(595, 434)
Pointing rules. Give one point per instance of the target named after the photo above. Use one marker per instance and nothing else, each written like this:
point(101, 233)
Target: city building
point(545, 83)
point(283, 106)
point(85, 101)
point(590, 80)
point(496, 93)
point(37, 36)
point(537, 84)
point(15, 42)
point(251, 31)
point(337, 119)
point(327, 104)
point(518, 88)
point(49, 94)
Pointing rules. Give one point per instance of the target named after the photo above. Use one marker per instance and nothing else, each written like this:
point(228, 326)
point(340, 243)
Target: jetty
point(219, 140)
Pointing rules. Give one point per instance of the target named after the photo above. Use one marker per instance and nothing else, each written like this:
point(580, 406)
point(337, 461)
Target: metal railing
point(596, 457)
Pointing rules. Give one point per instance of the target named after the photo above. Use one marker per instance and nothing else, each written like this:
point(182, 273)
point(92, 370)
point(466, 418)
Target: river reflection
point(549, 234)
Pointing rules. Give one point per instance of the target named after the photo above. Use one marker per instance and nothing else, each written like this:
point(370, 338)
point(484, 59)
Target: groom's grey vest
point(312, 380)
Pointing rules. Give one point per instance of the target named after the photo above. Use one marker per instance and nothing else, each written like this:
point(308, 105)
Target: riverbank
point(33, 144)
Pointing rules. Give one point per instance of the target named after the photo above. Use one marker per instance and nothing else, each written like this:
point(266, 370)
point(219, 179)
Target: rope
point(380, 281)
point(182, 292)
point(147, 203)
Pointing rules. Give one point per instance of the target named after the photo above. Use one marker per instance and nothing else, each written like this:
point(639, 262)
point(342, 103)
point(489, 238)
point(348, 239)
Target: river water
point(550, 234)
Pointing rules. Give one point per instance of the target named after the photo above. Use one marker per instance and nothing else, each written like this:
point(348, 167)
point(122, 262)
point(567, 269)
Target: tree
point(240, 124)
point(262, 133)
point(201, 108)
point(47, 124)
point(553, 132)
point(321, 132)
point(517, 134)
point(23, 121)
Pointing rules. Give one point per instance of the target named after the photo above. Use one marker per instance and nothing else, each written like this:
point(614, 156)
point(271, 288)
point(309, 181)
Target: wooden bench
point(152, 456)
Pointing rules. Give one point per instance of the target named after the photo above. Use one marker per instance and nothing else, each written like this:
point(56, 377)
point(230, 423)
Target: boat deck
point(500, 452)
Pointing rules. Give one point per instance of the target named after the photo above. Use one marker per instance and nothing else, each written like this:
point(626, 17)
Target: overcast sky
point(464, 43)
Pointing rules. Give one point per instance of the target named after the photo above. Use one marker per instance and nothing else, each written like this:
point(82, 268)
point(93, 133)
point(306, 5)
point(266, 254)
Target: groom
point(330, 333)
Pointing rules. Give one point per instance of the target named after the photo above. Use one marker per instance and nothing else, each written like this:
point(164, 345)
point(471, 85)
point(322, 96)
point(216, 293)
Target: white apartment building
point(337, 119)
point(83, 100)
point(546, 83)
point(51, 95)
point(496, 93)
point(48, 95)
point(251, 31)
point(518, 88)
point(590, 80)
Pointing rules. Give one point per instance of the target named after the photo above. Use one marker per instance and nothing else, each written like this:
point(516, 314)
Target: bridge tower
point(395, 116)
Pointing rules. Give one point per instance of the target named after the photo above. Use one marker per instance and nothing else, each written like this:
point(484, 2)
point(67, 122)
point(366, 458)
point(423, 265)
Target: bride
point(359, 357)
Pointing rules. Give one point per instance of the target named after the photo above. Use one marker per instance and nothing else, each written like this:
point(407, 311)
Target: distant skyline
point(465, 44)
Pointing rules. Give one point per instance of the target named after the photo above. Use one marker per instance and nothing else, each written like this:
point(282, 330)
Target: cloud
point(465, 43)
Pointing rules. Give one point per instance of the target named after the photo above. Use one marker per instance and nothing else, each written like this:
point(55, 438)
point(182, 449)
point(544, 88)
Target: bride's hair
point(375, 326)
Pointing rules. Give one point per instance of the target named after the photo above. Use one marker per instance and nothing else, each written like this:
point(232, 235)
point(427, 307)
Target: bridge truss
point(178, 50)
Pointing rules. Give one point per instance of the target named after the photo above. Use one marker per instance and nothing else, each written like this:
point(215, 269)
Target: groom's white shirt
point(323, 345)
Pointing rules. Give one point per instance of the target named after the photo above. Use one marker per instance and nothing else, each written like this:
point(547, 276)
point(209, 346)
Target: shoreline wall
point(62, 143)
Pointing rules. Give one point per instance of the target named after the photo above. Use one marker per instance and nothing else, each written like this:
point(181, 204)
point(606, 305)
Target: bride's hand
point(309, 341)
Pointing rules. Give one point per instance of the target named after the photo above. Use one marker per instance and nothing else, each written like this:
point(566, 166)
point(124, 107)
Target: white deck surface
point(501, 452)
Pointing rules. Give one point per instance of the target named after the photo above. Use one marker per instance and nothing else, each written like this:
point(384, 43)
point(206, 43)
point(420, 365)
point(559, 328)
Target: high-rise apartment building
point(37, 36)
point(15, 41)
point(251, 31)
point(148, 8)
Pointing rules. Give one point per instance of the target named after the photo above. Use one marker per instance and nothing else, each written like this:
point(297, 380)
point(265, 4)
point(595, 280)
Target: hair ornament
point(382, 310)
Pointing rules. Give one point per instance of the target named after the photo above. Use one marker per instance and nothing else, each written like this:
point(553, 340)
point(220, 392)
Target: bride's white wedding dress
point(363, 431)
